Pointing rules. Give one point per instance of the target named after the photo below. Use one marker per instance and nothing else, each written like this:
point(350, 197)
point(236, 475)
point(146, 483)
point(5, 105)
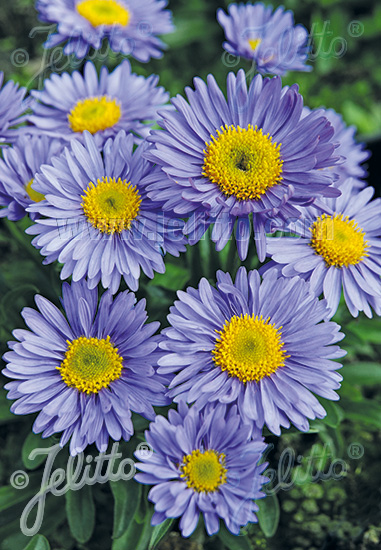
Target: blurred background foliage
point(343, 514)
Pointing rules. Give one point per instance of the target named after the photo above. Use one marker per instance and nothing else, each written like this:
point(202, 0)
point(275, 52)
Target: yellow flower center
point(35, 196)
point(104, 12)
point(338, 240)
point(254, 43)
point(91, 364)
point(204, 471)
point(111, 205)
point(94, 114)
point(249, 348)
point(242, 162)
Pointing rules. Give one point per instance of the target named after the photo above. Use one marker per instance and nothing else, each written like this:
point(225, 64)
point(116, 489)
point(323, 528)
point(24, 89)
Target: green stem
point(250, 73)
point(232, 261)
point(195, 265)
point(214, 257)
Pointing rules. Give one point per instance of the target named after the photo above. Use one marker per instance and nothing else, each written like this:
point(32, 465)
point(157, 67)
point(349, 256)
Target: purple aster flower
point(12, 110)
point(353, 153)
point(17, 170)
point(338, 250)
point(71, 104)
point(96, 218)
point(87, 371)
point(202, 462)
point(256, 344)
point(251, 159)
point(130, 27)
point(255, 32)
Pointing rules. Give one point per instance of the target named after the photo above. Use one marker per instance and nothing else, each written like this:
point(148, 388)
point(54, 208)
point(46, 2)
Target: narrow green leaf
point(136, 536)
point(368, 330)
point(233, 542)
point(15, 539)
point(5, 414)
point(174, 278)
point(80, 513)
point(130, 537)
point(268, 515)
point(146, 532)
point(367, 411)
point(350, 392)
point(34, 441)
point(143, 509)
point(159, 532)
point(39, 542)
point(140, 423)
point(335, 413)
point(9, 496)
point(127, 496)
point(10, 531)
point(15, 298)
point(316, 426)
point(364, 374)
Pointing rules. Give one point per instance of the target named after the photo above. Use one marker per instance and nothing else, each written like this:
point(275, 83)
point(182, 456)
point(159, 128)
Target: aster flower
point(349, 149)
point(259, 345)
point(130, 27)
point(202, 462)
point(17, 170)
point(71, 104)
point(255, 32)
point(85, 373)
point(12, 110)
point(96, 218)
point(338, 250)
point(251, 159)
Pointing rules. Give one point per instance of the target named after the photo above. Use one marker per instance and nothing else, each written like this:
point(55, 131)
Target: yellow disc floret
point(35, 196)
point(111, 205)
point(91, 364)
point(204, 471)
point(242, 162)
point(94, 114)
point(104, 12)
point(249, 348)
point(340, 241)
point(254, 43)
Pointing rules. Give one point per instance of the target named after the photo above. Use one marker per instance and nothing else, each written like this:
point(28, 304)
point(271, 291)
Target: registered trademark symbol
point(355, 451)
point(355, 29)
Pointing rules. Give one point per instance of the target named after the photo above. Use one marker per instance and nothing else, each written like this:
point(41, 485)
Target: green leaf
point(140, 423)
point(80, 513)
point(233, 542)
point(15, 298)
point(350, 392)
point(174, 278)
point(32, 442)
point(10, 535)
point(39, 542)
point(143, 509)
point(159, 532)
point(5, 413)
point(9, 496)
point(368, 330)
point(268, 515)
point(365, 374)
point(127, 496)
point(136, 536)
point(335, 413)
point(367, 411)
point(186, 31)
